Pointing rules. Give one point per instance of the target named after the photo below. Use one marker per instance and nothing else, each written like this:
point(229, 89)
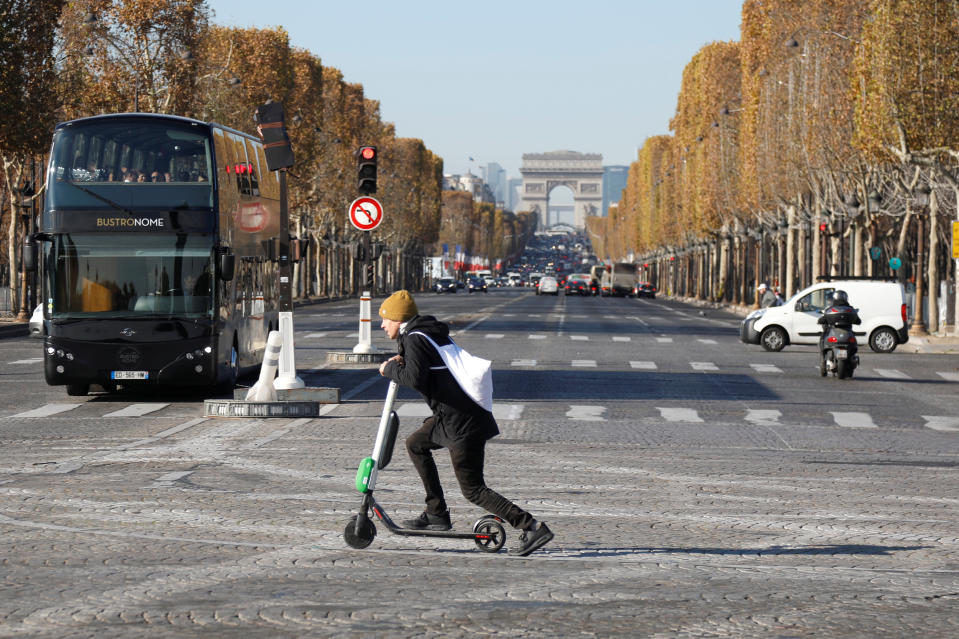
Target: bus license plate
point(841, 353)
point(129, 375)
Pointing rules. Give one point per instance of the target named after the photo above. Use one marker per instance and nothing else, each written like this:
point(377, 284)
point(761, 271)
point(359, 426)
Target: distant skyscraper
point(495, 177)
point(614, 181)
point(513, 193)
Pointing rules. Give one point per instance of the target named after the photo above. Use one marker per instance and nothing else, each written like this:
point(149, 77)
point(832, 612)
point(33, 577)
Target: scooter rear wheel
point(494, 535)
point(843, 369)
point(359, 539)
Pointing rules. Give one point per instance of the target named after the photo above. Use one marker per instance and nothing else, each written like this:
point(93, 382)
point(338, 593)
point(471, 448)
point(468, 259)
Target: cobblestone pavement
point(233, 528)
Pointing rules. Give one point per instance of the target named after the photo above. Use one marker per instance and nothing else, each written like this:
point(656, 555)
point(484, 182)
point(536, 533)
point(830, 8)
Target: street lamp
point(852, 208)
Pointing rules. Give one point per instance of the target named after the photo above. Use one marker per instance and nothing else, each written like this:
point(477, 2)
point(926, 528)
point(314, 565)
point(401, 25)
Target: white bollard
point(287, 379)
point(365, 344)
point(263, 390)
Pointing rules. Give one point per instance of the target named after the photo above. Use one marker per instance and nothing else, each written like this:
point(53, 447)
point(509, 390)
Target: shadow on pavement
point(829, 549)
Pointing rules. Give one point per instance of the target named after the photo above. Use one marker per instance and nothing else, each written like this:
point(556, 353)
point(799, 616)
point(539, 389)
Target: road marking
point(664, 340)
point(507, 411)
point(48, 409)
point(588, 363)
point(348, 335)
point(763, 416)
point(494, 336)
point(645, 365)
point(523, 362)
point(853, 420)
point(619, 338)
point(952, 377)
point(537, 337)
point(766, 368)
point(704, 366)
point(316, 335)
point(32, 360)
point(936, 422)
point(579, 338)
point(414, 409)
point(892, 373)
point(137, 410)
point(610, 316)
point(587, 413)
point(679, 414)
point(706, 341)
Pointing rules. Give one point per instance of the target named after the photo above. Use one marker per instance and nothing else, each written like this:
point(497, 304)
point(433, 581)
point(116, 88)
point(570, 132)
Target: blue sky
point(493, 80)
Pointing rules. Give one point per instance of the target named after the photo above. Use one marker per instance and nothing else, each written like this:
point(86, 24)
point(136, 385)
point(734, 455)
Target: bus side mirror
point(227, 265)
point(29, 255)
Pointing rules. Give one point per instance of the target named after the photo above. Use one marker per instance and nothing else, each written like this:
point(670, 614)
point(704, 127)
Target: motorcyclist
point(837, 314)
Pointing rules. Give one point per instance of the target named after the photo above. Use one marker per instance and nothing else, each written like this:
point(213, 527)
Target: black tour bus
point(159, 244)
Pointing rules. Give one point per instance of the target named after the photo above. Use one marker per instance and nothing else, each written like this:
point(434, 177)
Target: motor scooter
point(838, 349)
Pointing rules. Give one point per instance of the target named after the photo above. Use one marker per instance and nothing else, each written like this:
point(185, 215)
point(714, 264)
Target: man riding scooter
point(837, 344)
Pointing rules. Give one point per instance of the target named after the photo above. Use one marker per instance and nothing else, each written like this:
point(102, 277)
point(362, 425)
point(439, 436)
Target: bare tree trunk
point(932, 270)
point(856, 239)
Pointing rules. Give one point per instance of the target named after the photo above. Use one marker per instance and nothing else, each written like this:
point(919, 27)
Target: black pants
point(467, 459)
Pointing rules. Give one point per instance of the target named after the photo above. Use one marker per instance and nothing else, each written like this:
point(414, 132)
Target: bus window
point(129, 164)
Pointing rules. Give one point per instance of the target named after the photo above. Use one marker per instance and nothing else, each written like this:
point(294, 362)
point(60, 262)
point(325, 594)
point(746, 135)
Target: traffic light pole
point(286, 271)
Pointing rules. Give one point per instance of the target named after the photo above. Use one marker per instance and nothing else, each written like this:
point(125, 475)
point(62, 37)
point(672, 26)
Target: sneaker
point(531, 540)
point(426, 521)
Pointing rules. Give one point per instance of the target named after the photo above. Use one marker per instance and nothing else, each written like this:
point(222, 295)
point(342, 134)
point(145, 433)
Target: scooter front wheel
point(361, 538)
point(493, 534)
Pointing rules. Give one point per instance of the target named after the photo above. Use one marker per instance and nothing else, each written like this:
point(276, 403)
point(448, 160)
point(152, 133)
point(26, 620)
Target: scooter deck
point(420, 532)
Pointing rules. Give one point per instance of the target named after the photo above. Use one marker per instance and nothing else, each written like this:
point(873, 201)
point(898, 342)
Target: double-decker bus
point(159, 253)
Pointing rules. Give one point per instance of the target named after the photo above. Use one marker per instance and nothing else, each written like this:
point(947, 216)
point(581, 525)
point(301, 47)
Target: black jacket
point(456, 416)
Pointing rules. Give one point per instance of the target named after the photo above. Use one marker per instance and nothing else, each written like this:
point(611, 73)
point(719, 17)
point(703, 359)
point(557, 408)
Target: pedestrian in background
point(767, 297)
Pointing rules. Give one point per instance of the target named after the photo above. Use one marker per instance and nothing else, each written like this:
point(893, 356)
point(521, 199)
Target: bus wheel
point(78, 390)
point(226, 386)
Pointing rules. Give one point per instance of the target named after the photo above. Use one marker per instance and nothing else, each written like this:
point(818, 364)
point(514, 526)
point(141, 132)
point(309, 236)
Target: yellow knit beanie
point(398, 307)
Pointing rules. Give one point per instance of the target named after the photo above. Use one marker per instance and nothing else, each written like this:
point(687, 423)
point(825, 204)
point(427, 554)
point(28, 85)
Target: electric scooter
point(488, 531)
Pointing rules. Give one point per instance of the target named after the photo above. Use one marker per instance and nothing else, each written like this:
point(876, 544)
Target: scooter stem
point(382, 430)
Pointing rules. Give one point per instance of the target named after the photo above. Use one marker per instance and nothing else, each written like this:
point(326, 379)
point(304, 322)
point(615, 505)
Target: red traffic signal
point(822, 227)
point(366, 170)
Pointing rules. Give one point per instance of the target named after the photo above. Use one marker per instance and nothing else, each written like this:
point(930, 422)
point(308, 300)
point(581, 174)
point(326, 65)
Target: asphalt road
point(697, 487)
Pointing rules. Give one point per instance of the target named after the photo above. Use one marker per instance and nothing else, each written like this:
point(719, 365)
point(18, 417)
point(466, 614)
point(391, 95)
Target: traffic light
point(366, 170)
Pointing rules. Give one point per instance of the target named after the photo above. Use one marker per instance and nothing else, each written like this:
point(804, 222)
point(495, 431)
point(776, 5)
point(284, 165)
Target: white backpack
point(473, 374)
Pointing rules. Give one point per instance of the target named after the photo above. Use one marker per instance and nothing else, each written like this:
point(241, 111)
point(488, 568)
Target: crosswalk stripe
point(494, 336)
point(853, 420)
point(579, 338)
point(32, 360)
point(505, 412)
point(523, 362)
point(537, 336)
point(664, 340)
point(766, 368)
point(706, 341)
point(137, 410)
point(937, 422)
point(704, 366)
point(587, 413)
point(952, 377)
point(316, 335)
point(680, 414)
point(48, 409)
point(892, 373)
point(763, 416)
point(620, 338)
point(644, 365)
point(588, 363)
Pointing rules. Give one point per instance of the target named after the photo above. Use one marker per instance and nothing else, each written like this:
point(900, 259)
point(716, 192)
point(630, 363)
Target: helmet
point(839, 298)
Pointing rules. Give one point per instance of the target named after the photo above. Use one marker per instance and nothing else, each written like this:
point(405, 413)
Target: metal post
point(286, 284)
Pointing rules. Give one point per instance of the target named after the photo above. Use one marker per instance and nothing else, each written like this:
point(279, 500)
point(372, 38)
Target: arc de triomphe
point(581, 172)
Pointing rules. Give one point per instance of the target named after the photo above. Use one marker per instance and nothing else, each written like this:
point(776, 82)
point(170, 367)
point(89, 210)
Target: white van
point(881, 304)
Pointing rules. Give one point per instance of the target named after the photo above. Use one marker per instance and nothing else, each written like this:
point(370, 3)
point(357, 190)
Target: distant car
point(36, 322)
point(577, 285)
point(547, 285)
point(444, 285)
point(644, 289)
point(476, 284)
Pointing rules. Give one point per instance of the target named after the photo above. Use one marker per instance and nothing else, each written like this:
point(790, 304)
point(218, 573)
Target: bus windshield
point(130, 275)
point(130, 164)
